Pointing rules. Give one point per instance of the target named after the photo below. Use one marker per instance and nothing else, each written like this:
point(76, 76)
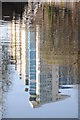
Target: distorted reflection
point(43, 46)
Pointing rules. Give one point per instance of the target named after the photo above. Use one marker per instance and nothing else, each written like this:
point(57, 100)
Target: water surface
point(40, 61)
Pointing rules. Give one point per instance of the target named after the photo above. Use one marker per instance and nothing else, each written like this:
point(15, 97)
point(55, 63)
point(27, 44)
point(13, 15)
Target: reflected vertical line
point(20, 45)
point(15, 44)
point(37, 59)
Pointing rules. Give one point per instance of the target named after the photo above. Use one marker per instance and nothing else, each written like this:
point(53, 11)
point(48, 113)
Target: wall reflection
point(45, 51)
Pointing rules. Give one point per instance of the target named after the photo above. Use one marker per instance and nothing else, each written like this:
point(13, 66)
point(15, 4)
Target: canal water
point(39, 65)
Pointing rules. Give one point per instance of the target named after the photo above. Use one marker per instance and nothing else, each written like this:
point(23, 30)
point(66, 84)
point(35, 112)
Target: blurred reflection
point(4, 62)
point(45, 51)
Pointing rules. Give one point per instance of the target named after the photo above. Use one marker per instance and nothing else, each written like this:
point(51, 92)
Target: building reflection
point(46, 54)
point(18, 42)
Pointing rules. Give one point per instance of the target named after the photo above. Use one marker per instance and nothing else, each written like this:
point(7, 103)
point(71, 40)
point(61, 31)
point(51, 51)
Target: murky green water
point(40, 61)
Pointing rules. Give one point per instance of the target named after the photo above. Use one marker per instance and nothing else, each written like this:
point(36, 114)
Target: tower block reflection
point(43, 78)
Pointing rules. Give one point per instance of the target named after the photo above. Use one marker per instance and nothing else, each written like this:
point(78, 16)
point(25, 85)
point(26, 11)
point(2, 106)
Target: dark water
point(40, 61)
